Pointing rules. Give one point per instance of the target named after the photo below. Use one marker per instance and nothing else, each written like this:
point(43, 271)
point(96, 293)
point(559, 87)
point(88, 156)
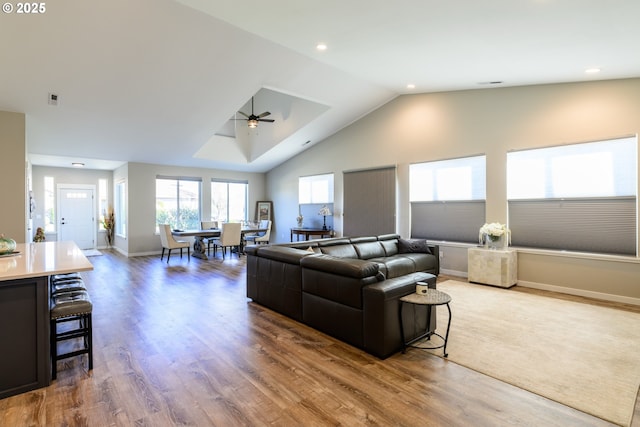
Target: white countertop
point(43, 259)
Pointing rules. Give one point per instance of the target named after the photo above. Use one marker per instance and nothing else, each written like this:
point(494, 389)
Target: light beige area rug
point(583, 356)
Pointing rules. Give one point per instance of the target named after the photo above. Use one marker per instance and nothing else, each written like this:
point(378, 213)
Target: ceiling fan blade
point(266, 120)
point(265, 114)
point(243, 114)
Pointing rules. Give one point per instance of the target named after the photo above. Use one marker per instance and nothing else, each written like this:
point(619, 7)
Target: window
point(120, 209)
point(315, 189)
point(578, 197)
point(315, 192)
point(178, 202)
point(448, 198)
point(49, 205)
point(103, 197)
point(229, 200)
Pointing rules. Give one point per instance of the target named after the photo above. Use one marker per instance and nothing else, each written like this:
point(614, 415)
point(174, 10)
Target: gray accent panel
point(370, 202)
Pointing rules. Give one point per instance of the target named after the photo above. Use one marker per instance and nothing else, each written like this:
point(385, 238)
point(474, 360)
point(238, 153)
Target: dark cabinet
point(24, 335)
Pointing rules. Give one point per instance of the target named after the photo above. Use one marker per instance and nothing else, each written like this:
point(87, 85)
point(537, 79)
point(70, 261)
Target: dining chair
point(262, 236)
point(208, 225)
point(230, 235)
point(168, 242)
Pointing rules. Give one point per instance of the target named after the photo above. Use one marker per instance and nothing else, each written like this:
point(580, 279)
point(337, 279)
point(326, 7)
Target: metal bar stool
point(68, 307)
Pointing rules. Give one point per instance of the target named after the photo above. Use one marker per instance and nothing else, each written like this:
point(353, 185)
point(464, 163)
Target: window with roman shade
point(578, 197)
point(448, 198)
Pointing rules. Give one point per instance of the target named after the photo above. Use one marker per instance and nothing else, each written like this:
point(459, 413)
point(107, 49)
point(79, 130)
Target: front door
point(77, 215)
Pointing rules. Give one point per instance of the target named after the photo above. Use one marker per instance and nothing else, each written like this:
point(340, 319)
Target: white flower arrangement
point(494, 231)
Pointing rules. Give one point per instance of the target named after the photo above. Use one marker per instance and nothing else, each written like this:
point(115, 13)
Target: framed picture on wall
point(264, 211)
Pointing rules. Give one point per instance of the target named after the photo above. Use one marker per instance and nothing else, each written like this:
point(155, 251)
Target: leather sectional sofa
point(346, 287)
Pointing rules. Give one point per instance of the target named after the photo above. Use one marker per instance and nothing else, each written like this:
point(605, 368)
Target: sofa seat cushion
point(422, 262)
point(395, 266)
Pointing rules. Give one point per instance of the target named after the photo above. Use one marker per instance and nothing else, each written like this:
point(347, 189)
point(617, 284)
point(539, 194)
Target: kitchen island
point(25, 362)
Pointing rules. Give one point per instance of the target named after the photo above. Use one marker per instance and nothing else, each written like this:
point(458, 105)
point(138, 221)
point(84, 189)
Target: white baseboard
point(580, 292)
point(454, 273)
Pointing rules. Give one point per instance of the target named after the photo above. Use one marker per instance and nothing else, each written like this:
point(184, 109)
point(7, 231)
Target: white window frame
point(448, 198)
point(592, 207)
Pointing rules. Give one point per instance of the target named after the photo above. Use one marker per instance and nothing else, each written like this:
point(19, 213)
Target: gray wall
point(65, 176)
point(424, 127)
point(13, 191)
point(140, 181)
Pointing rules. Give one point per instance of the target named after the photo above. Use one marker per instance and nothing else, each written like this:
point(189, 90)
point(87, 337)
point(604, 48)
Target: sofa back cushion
point(368, 250)
point(340, 251)
point(390, 247)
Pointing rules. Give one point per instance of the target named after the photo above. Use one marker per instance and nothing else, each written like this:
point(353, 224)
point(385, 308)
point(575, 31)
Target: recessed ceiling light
point(77, 165)
point(411, 86)
point(321, 46)
point(592, 70)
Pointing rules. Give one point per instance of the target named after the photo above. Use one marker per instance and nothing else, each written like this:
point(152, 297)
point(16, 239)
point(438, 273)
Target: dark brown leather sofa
point(346, 287)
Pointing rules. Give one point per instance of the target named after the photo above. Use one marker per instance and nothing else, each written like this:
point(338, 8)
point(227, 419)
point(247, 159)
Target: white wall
point(423, 127)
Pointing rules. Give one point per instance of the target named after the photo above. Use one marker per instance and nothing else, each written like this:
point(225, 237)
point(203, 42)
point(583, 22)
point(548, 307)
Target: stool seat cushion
point(67, 276)
point(70, 304)
point(67, 286)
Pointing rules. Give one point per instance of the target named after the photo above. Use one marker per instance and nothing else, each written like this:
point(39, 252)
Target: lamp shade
point(325, 211)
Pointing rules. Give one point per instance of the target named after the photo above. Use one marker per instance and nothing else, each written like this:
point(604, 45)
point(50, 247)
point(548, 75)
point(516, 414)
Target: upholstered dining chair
point(262, 236)
point(208, 225)
point(168, 242)
point(230, 235)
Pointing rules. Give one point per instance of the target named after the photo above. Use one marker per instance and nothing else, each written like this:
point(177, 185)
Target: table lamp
point(324, 212)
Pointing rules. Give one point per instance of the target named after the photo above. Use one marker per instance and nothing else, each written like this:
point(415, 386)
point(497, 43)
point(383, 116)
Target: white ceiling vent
point(53, 99)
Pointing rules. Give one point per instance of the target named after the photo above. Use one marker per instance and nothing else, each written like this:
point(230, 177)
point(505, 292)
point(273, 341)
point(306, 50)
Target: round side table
point(432, 298)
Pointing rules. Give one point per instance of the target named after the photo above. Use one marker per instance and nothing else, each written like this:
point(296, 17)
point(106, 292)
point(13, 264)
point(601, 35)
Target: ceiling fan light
point(252, 123)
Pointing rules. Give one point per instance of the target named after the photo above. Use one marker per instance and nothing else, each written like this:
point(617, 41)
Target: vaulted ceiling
point(160, 81)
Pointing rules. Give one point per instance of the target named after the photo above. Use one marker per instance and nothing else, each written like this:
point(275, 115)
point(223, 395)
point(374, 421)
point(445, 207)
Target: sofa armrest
point(381, 310)
point(435, 250)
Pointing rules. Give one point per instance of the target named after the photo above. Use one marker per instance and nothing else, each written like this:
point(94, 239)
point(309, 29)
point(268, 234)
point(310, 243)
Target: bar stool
point(66, 276)
point(68, 307)
point(62, 286)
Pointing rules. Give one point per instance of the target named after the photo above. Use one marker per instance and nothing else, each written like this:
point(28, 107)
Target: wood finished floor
point(180, 344)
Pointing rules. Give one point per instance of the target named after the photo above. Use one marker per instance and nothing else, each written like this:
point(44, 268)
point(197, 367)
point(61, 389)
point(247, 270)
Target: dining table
point(199, 236)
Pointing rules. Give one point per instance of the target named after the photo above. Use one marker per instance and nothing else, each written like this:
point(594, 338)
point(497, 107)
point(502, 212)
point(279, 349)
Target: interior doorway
point(76, 219)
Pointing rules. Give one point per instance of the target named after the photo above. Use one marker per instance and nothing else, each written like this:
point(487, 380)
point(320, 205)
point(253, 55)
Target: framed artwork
point(264, 211)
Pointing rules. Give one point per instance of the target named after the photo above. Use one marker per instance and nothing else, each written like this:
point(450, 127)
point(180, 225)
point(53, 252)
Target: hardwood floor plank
point(180, 344)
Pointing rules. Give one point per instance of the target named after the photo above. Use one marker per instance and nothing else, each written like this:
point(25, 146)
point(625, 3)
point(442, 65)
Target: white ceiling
point(156, 81)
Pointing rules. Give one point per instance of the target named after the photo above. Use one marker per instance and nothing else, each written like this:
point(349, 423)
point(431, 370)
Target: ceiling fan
point(252, 119)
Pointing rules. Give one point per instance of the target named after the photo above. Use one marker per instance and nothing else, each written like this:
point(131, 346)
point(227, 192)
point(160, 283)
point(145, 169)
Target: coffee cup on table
point(421, 288)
